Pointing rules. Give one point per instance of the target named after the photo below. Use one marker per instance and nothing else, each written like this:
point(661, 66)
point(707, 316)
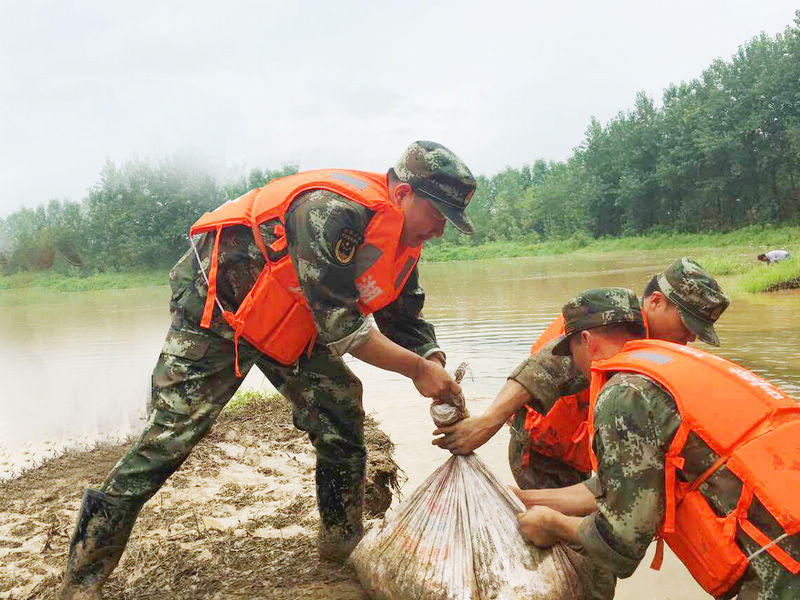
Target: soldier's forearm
point(511, 397)
point(575, 500)
point(381, 352)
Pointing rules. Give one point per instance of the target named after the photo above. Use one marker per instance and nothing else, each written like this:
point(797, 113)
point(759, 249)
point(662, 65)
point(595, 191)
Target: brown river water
point(76, 367)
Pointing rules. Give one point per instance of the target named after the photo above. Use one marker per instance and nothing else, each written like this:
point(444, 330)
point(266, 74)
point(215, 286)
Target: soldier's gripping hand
point(545, 526)
point(465, 436)
point(432, 381)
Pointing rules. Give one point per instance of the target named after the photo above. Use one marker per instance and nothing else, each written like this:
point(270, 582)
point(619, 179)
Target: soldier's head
point(682, 303)
point(431, 185)
point(597, 323)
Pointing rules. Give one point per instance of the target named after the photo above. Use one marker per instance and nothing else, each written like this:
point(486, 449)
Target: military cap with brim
point(597, 308)
point(697, 295)
point(439, 175)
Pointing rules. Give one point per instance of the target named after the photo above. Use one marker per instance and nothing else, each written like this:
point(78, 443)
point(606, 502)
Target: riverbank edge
point(737, 259)
point(240, 515)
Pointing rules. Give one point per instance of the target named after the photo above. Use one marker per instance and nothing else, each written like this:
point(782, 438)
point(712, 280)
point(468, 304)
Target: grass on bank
point(759, 238)
point(62, 282)
point(731, 255)
point(780, 276)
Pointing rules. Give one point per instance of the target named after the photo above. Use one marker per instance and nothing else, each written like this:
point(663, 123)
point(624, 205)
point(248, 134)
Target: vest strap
point(770, 546)
point(658, 557)
point(673, 461)
point(581, 432)
point(739, 515)
point(532, 418)
point(258, 239)
point(237, 325)
point(211, 279)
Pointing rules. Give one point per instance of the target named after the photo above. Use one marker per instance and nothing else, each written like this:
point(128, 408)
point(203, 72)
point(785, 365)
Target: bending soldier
point(283, 278)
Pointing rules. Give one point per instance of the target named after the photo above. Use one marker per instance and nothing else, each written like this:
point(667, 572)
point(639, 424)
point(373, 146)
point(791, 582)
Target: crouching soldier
point(688, 448)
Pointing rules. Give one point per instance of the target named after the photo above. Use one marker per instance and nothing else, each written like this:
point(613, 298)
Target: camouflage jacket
point(546, 378)
point(635, 421)
point(315, 222)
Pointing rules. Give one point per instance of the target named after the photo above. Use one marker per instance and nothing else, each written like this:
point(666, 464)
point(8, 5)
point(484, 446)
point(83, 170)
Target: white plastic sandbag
point(457, 538)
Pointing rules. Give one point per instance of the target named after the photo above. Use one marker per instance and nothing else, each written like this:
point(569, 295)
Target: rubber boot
point(340, 497)
point(101, 535)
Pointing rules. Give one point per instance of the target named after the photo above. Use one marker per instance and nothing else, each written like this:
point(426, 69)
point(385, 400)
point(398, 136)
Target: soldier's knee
point(338, 449)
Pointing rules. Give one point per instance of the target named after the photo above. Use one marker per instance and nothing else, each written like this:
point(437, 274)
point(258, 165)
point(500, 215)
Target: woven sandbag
point(457, 538)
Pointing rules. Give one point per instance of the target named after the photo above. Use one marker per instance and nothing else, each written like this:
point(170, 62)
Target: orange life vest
point(752, 426)
point(274, 316)
point(562, 432)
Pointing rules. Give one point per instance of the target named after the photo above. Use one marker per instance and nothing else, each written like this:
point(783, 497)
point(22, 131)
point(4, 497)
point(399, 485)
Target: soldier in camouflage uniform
point(680, 303)
point(694, 301)
point(635, 420)
point(194, 376)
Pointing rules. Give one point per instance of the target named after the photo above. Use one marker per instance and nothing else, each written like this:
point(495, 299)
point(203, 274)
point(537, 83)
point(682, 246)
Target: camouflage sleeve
point(403, 323)
point(321, 226)
point(635, 421)
point(548, 377)
point(593, 483)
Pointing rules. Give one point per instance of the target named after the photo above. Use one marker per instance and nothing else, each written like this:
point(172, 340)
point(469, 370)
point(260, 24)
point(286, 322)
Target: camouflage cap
point(438, 174)
point(596, 308)
point(697, 295)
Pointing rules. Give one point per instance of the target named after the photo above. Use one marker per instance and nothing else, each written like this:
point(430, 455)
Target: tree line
point(719, 152)
point(136, 216)
point(722, 151)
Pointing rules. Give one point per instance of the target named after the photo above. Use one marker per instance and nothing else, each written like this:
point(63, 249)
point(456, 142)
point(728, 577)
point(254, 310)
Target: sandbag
point(457, 538)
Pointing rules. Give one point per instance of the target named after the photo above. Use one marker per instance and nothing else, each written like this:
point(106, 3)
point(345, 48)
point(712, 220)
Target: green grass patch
point(728, 262)
point(748, 242)
point(780, 276)
point(82, 283)
point(731, 255)
point(243, 398)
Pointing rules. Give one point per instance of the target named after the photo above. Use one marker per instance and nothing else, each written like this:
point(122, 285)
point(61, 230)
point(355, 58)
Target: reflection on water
point(77, 366)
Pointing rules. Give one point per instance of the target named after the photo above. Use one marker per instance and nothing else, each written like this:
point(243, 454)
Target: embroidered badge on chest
point(345, 248)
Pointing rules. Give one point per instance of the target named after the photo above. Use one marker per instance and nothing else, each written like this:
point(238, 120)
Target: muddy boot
point(340, 497)
point(335, 545)
point(100, 537)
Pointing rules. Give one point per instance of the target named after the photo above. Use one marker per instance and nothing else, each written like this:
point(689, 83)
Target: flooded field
point(76, 367)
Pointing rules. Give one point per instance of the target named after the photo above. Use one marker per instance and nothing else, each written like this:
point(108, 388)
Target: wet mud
point(238, 520)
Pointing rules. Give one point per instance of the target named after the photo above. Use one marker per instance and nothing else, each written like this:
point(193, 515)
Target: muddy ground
point(238, 520)
point(792, 284)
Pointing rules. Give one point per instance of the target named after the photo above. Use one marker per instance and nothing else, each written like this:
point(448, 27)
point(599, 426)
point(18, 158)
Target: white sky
point(339, 83)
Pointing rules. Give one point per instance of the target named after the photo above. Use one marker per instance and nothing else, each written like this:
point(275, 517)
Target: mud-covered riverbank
point(238, 520)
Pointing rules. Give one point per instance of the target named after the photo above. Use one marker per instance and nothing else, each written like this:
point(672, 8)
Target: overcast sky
point(339, 83)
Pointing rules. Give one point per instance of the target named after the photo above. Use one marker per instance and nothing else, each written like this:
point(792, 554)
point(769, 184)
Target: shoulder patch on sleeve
point(345, 248)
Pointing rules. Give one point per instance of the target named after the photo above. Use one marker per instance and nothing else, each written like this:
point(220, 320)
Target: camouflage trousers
point(194, 379)
point(544, 472)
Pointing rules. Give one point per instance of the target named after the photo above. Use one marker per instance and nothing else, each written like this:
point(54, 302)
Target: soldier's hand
point(538, 525)
point(527, 497)
point(465, 436)
point(432, 381)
